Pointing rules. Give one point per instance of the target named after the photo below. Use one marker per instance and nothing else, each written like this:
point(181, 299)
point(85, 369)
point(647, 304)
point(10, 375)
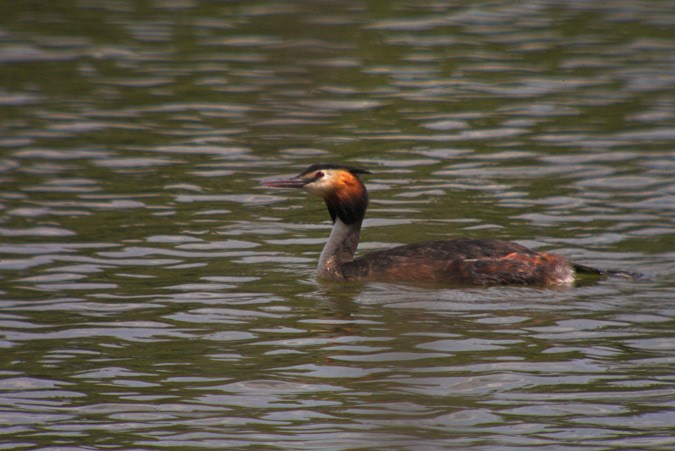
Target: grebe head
point(338, 185)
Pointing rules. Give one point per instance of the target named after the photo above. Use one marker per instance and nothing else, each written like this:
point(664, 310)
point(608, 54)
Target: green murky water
point(154, 295)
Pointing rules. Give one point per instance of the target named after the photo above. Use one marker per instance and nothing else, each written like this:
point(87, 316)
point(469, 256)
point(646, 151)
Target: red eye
point(318, 175)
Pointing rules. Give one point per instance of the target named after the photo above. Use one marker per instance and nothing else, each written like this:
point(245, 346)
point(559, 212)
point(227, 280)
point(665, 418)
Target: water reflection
point(152, 294)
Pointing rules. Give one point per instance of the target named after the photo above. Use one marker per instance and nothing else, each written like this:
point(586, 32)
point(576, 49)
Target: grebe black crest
point(463, 261)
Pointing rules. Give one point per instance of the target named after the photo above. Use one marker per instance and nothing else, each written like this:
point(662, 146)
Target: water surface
point(154, 295)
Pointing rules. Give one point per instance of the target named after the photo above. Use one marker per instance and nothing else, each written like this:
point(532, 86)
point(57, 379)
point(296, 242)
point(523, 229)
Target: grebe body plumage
point(463, 261)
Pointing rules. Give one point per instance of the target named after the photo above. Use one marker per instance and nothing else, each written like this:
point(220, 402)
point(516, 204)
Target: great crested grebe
point(462, 261)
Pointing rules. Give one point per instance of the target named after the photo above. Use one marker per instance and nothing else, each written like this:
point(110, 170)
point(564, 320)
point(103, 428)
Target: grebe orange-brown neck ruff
point(462, 261)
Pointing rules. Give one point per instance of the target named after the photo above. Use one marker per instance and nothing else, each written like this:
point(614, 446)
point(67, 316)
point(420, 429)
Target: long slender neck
point(340, 249)
point(347, 204)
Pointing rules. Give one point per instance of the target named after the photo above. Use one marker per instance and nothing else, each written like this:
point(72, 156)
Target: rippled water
point(154, 295)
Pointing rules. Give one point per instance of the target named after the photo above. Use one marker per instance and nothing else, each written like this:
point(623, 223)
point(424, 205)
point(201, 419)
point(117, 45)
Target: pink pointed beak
point(295, 182)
